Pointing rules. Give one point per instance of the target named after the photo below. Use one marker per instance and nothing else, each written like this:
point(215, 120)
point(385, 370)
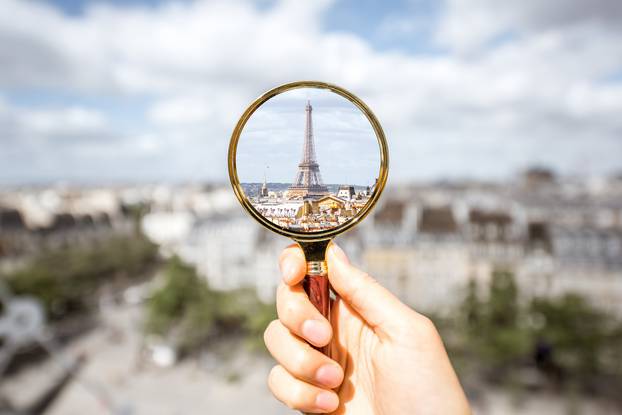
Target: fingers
point(293, 306)
point(301, 360)
point(296, 312)
point(376, 305)
point(292, 264)
point(302, 373)
point(300, 395)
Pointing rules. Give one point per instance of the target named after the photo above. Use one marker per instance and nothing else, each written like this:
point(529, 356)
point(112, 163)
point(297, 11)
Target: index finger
point(293, 265)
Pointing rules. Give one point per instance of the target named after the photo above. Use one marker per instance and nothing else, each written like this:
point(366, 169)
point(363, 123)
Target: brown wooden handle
point(318, 290)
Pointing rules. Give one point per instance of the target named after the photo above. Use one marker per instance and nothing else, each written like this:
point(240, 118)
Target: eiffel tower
point(308, 181)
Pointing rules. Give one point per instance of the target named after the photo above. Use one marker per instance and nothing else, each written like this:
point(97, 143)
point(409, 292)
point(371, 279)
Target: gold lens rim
point(316, 235)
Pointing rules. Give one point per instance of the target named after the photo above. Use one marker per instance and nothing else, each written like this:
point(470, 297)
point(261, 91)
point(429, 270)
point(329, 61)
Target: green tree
point(494, 330)
point(189, 313)
point(471, 307)
point(66, 280)
point(577, 332)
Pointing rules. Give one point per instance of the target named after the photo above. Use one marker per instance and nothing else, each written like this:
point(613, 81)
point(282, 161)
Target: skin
point(386, 358)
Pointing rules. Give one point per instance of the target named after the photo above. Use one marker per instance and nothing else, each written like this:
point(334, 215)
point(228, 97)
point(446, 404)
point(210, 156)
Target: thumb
point(377, 306)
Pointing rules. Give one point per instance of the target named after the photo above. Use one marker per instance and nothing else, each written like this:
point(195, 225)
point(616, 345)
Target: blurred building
point(424, 242)
point(33, 220)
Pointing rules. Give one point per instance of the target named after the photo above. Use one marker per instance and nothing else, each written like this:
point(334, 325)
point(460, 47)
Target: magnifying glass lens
point(308, 160)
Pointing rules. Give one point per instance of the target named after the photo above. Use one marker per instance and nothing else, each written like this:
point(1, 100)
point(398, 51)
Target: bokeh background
point(133, 283)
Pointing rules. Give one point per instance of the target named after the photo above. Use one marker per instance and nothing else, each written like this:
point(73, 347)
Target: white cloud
point(178, 46)
point(73, 122)
point(470, 24)
point(486, 107)
point(181, 110)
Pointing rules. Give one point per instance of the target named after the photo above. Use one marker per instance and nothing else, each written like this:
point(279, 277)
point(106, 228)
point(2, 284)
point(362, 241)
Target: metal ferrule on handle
point(317, 268)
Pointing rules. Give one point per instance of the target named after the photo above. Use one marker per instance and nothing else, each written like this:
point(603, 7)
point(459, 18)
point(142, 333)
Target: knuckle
point(297, 398)
point(269, 331)
point(287, 251)
point(360, 290)
point(288, 395)
point(272, 378)
point(425, 324)
point(284, 253)
point(290, 310)
point(301, 362)
point(280, 292)
point(420, 326)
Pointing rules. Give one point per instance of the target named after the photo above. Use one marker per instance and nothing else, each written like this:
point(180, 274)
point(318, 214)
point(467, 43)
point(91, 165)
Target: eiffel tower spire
point(308, 151)
point(308, 180)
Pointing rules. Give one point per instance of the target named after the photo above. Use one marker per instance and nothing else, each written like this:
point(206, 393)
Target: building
point(12, 232)
point(330, 202)
point(346, 192)
point(308, 181)
point(264, 189)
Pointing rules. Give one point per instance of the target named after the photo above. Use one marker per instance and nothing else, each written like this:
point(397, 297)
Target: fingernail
point(288, 269)
point(326, 401)
point(328, 375)
point(338, 252)
point(316, 332)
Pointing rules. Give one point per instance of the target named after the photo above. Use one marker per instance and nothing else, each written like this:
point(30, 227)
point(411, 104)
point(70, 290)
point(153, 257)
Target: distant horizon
point(154, 179)
point(118, 182)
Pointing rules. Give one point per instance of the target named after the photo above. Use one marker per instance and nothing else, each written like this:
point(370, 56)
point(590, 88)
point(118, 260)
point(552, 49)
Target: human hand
point(386, 358)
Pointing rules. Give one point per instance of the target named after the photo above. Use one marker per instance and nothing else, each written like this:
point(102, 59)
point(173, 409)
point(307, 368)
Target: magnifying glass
point(309, 160)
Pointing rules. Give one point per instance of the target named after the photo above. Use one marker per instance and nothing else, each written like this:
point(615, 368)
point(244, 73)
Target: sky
point(272, 140)
point(133, 91)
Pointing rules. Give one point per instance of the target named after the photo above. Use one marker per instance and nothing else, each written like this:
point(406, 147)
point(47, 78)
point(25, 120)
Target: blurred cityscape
point(114, 296)
point(132, 281)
